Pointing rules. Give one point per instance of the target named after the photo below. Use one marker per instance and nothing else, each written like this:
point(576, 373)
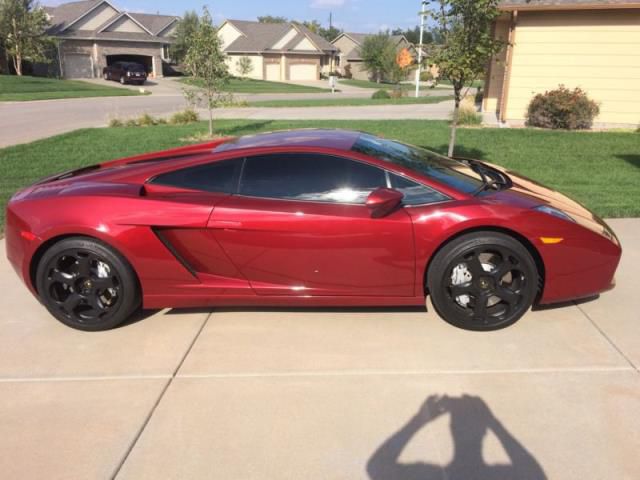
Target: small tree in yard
point(468, 45)
point(378, 55)
point(245, 66)
point(206, 63)
point(23, 26)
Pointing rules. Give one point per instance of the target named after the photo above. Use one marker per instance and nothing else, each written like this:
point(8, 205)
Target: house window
point(165, 52)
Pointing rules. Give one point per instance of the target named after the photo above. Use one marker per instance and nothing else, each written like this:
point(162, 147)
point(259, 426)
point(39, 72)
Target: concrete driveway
point(324, 394)
point(22, 122)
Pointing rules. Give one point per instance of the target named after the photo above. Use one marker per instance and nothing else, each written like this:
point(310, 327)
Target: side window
point(213, 177)
point(414, 193)
point(310, 177)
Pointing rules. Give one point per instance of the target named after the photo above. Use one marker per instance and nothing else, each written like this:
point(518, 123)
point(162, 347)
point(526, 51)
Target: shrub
point(562, 108)
point(115, 122)
point(186, 116)
point(398, 92)
point(146, 120)
point(380, 94)
point(426, 76)
point(131, 122)
point(467, 113)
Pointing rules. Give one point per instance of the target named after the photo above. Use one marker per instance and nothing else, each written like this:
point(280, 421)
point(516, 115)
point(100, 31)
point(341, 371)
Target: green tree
point(329, 34)
point(378, 55)
point(23, 26)
point(468, 45)
point(272, 19)
point(245, 66)
point(206, 63)
point(185, 28)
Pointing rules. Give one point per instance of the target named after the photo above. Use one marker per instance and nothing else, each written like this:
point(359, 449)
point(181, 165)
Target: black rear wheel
point(482, 281)
point(87, 285)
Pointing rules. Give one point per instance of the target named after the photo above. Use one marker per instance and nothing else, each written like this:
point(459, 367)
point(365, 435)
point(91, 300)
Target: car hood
point(528, 193)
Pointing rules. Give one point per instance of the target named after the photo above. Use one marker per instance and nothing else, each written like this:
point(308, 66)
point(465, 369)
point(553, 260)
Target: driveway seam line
point(83, 379)
point(373, 373)
point(608, 339)
point(159, 399)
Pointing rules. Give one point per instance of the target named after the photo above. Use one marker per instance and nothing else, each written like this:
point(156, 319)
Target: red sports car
point(303, 218)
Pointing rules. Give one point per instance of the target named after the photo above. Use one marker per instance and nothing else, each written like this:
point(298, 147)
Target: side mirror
point(383, 201)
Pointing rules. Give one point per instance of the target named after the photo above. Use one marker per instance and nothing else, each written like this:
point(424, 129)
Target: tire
point(122, 81)
point(482, 281)
point(87, 285)
point(105, 75)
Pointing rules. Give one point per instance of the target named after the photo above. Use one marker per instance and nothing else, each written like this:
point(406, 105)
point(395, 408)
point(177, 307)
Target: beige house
point(278, 51)
point(594, 45)
point(349, 60)
point(92, 34)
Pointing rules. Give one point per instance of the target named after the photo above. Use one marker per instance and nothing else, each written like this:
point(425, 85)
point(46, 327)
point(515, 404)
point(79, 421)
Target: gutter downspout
point(504, 98)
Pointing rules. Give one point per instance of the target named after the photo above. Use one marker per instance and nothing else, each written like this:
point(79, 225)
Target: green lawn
point(249, 85)
point(367, 84)
point(348, 102)
point(602, 170)
point(14, 88)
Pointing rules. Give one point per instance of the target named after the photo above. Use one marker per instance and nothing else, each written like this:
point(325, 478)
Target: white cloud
point(327, 3)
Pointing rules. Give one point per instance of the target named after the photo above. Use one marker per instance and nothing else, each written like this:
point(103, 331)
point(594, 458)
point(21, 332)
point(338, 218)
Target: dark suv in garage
point(125, 72)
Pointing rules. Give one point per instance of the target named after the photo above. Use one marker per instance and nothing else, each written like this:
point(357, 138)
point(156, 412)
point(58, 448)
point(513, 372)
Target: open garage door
point(145, 60)
point(303, 72)
point(77, 66)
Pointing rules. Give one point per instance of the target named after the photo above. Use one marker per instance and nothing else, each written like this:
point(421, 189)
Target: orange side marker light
point(551, 240)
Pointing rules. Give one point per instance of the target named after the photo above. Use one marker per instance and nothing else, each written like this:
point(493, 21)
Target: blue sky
point(350, 15)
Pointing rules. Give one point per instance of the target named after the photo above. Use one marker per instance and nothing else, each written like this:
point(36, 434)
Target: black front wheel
point(87, 285)
point(482, 281)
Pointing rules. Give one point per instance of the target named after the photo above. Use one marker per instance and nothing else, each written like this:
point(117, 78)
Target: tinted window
point(212, 177)
point(450, 172)
point(310, 177)
point(414, 193)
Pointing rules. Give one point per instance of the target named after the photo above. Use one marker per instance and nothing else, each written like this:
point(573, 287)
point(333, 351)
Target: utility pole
point(330, 20)
point(423, 14)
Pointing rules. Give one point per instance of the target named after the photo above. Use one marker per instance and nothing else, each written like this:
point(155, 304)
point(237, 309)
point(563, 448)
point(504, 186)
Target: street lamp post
point(423, 14)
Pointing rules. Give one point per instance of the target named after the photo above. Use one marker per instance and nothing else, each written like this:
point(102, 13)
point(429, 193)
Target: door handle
point(227, 224)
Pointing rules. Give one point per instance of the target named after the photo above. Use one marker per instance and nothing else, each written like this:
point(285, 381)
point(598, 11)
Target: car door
point(299, 226)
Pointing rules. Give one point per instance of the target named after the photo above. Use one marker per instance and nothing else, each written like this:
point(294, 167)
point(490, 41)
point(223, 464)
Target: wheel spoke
point(475, 266)
point(102, 283)
point(57, 276)
point(480, 308)
point(84, 266)
point(507, 295)
point(72, 301)
point(457, 290)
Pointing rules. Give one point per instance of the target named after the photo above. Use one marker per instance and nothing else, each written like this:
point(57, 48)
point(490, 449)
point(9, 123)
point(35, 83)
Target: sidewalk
point(324, 394)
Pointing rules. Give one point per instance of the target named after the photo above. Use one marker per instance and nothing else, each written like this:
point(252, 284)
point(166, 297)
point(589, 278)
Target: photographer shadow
point(470, 421)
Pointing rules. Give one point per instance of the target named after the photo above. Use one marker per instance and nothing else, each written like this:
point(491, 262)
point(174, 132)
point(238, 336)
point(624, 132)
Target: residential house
point(589, 44)
point(92, 34)
point(278, 51)
point(349, 61)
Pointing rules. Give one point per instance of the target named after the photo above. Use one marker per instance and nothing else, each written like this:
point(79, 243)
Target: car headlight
point(128, 74)
point(555, 212)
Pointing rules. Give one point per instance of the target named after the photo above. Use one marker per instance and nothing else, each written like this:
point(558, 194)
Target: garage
point(272, 72)
point(145, 60)
point(78, 66)
point(303, 71)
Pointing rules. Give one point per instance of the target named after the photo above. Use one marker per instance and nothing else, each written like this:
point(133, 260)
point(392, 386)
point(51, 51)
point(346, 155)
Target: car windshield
point(450, 172)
